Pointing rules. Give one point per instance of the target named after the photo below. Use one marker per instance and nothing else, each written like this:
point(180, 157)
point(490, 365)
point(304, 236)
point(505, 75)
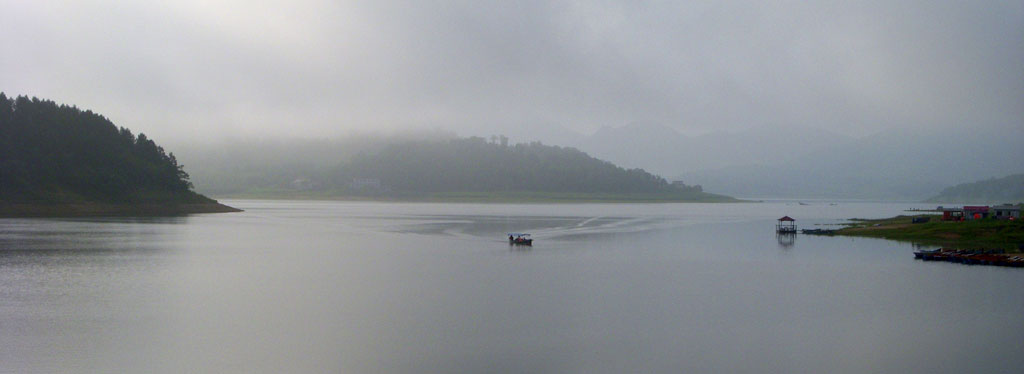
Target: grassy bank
point(92, 209)
point(487, 197)
point(975, 234)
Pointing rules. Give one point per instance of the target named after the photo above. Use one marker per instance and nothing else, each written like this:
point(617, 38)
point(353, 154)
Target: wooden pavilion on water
point(786, 225)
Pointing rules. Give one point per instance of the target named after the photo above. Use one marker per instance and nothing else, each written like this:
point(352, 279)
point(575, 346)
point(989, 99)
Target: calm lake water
point(354, 287)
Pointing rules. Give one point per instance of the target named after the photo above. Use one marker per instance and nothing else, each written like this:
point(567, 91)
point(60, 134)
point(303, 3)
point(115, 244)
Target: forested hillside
point(472, 164)
point(442, 166)
point(59, 154)
point(1008, 189)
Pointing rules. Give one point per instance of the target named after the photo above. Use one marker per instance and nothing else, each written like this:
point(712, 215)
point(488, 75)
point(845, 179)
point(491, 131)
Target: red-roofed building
point(952, 214)
point(975, 212)
point(786, 225)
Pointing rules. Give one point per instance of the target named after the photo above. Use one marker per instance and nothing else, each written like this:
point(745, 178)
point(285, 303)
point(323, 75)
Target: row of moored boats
point(995, 258)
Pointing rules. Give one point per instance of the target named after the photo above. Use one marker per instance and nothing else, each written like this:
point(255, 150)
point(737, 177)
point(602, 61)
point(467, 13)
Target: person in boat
point(510, 238)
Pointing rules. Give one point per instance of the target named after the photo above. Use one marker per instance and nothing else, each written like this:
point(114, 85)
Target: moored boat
point(818, 231)
point(971, 257)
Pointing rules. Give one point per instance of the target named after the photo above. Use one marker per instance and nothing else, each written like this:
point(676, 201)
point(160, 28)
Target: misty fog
point(196, 69)
point(743, 97)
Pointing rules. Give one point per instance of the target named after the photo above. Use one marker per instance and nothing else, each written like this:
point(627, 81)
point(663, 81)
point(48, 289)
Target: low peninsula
point(979, 234)
point(60, 161)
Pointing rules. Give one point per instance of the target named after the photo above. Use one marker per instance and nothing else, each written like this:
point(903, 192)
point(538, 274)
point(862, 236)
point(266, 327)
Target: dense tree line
point(473, 164)
point(59, 153)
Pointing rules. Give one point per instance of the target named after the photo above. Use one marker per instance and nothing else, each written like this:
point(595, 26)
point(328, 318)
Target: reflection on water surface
point(391, 287)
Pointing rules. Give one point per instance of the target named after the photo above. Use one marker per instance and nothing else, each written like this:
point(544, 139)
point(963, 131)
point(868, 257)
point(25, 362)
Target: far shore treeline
point(435, 166)
point(473, 164)
point(60, 160)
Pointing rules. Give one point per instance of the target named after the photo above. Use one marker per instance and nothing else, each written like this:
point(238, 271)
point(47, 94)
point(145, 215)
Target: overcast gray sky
point(194, 68)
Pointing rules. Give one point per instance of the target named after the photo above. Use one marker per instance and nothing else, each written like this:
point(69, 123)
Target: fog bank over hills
point(432, 165)
point(783, 162)
point(667, 152)
point(867, 99)
point(225, 166)
point(799, 162)
point(896, 164)
point(193, 70)
point(661, 149)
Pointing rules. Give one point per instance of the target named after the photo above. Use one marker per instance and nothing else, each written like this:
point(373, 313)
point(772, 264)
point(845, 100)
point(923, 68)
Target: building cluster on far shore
point(971, 212)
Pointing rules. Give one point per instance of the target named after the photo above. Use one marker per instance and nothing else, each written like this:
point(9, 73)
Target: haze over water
point(434, 288)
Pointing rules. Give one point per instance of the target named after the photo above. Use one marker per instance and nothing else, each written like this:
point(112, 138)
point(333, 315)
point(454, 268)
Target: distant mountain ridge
point(1008, 189)
point(897, 164)
point(800, 162)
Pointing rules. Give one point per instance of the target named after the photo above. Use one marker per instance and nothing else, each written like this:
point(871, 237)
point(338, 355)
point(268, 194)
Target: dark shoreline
point(43, 210)
point(504, 197)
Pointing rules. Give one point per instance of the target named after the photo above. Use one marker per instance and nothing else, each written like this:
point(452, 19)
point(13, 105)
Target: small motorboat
point(519, 238)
